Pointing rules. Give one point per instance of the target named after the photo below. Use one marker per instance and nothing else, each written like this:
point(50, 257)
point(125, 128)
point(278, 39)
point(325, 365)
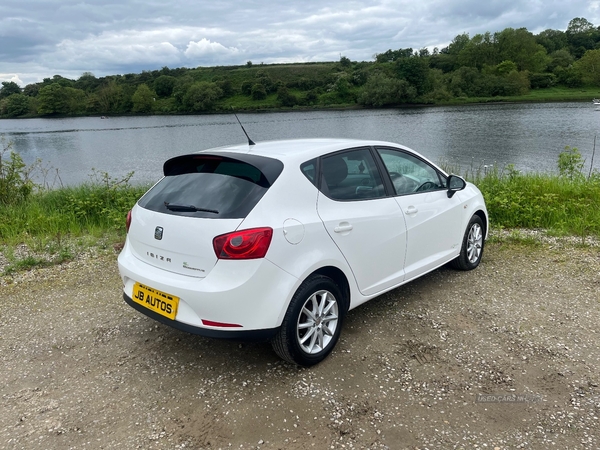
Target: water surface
point(530, 136)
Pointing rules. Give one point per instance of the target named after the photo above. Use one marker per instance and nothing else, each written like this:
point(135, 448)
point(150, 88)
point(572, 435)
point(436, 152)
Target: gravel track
point(505, 356)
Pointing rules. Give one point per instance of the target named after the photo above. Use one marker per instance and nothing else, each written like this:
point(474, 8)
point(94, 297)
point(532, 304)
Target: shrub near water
point(568, 203)
point(96, 207)
point(15, 183)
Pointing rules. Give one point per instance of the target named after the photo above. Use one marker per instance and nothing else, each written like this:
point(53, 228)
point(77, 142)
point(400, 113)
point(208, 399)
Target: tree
point(581, 36)
point(164, 85)
point(478, 52)
point(285, 97)
point(225, 85)
point(415, 70)
point(9, 88)
point(381, 90)
point(589, 67)
point(569, 76)
point(345, 62)
point(311, 97)
point(457, 45)
point(246, 87)
point(446, 59)
point(31, 90)
point(202, 96)
point(76, 100)
point(560, 58)
point(463, 82)
point(341, 88)
point(517, 83)
point(17, 105)
point(87, 82)
point(64, 82)
point(393, 55)
point(258, 92)
point(143, 99)
point(109, 97)
point(505, 67)
point(52, 100)
point(521, 47)
point(181, 87)
point(579, 25)
point(552, 40)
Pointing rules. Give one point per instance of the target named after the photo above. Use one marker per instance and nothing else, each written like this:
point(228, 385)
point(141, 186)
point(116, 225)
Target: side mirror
point(455, 184)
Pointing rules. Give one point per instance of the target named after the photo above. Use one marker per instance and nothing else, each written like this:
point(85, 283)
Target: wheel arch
point(483, 216)
point(339, 278)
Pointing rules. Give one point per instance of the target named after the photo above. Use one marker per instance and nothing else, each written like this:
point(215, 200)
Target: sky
point(43, 38)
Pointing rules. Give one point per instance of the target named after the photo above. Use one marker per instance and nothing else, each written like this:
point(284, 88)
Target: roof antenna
point(250, 141)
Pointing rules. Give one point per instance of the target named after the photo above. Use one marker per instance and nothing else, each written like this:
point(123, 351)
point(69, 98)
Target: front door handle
point(343, 227)
point(411, 210)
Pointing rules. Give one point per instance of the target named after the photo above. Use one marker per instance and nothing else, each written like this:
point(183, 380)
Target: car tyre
point(313, 322)
point(471, 249)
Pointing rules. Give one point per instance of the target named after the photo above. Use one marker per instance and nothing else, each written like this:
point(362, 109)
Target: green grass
point(556, 203)
point(554, 94)
point(559, 204)
point(56, 224)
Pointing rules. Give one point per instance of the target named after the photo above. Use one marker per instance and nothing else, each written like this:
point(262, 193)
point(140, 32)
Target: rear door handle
point(343, 227)
point(411, 210)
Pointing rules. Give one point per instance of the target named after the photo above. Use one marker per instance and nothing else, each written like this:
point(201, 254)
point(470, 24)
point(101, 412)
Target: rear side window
point(351, 175)
point(210, 186)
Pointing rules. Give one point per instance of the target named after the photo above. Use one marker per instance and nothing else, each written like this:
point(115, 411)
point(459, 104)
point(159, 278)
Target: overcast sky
point(42, 38)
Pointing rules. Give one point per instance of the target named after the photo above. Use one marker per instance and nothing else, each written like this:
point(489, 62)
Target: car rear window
point(212, 186)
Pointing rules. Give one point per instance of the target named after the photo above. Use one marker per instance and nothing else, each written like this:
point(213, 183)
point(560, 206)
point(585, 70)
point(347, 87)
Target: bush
point(570, 163)
point(542, 80)
point(259, 92)
point(15, 182)
point(105, 201)
point(381, 90)
point(286, 98)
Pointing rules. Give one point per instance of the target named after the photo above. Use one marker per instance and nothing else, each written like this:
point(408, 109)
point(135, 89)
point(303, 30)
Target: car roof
point(299, 150)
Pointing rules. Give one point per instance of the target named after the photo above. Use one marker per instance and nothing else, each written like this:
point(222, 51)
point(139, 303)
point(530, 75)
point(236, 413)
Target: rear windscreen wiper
point(188, 208)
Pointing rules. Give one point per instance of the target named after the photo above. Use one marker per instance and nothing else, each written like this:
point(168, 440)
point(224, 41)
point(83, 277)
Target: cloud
point(41, 38)
point(11, 77)
point(204, 48)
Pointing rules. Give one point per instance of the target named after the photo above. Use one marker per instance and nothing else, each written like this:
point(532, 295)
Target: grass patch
point(54, 225)
point(563, 204)
point(48, 227)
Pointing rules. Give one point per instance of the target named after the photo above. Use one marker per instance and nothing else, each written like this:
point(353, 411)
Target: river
point(530, 136)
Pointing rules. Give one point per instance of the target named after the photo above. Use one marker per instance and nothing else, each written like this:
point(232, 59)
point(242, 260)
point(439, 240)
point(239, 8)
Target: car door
point(367, 226)
point(433, 221)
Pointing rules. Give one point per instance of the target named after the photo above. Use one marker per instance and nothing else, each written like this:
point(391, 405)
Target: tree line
point(510, 62)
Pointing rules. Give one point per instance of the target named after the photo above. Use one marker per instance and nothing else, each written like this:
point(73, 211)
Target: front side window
point(351, 175)
point(409, 174)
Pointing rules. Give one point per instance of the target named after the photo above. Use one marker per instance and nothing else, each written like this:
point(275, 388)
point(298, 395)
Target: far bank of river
point(528, 135)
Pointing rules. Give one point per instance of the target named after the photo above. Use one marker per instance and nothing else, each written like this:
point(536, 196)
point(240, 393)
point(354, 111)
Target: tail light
point(245, 244)
point(128, 221)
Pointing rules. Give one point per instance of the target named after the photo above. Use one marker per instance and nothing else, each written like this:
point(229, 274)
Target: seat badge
point(158, 233)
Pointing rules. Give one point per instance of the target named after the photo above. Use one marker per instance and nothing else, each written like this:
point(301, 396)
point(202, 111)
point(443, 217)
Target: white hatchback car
point(278, 240)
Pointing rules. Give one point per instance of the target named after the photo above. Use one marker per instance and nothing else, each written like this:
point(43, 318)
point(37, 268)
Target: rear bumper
point(252, 294)
point(244, 335)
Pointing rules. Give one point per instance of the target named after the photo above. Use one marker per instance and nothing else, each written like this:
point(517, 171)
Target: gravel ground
point(502, 357)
